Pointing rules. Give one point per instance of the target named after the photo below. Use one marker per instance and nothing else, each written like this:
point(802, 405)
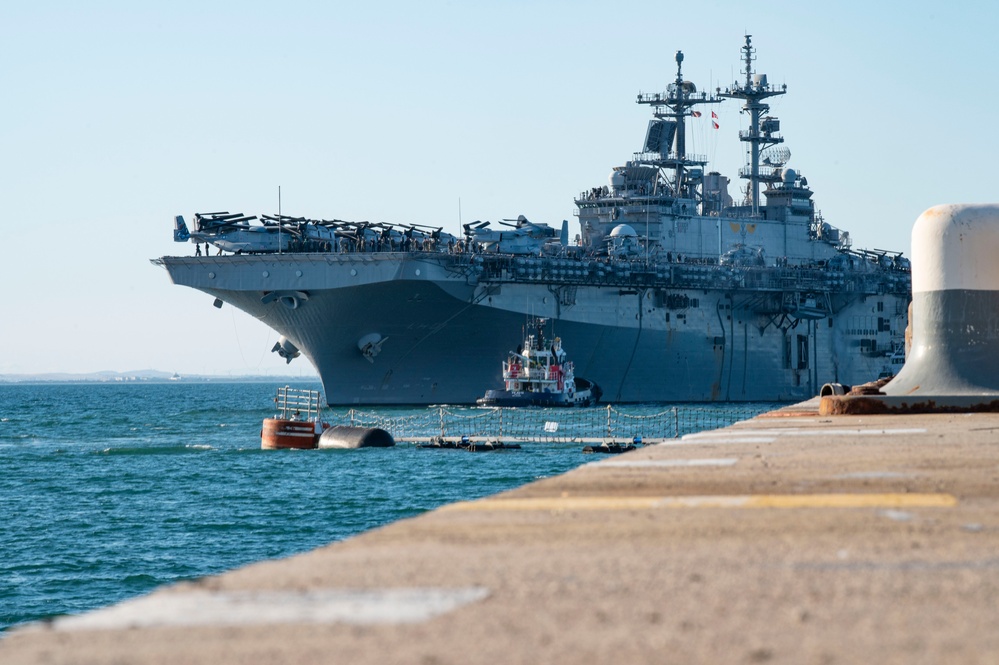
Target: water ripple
point(112, 490)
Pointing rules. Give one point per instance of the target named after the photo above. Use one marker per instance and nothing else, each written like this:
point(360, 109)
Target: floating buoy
point(440, 442)
point(490, 446)
point(449, 444)
point(279, 433)
point(610, 448)
point(342, 436)
point(297, 425)
point(466, 444)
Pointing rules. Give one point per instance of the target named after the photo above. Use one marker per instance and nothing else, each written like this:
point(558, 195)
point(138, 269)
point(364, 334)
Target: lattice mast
point(676, 104)
point(761, 134)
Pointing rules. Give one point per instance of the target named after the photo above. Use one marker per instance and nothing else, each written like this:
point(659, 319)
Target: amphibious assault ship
point(670, 291)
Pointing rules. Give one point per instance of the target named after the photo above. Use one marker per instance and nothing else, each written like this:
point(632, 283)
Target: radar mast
point(671, 108)
point(761, 134)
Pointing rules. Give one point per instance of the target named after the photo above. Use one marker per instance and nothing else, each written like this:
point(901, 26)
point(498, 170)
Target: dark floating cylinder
point(344, 436)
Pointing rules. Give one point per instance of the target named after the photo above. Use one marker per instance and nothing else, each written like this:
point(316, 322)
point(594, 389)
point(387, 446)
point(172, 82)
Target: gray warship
point(669, 291)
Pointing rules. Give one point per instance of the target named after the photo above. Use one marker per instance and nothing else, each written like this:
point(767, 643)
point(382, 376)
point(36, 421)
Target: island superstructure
point(672, 291)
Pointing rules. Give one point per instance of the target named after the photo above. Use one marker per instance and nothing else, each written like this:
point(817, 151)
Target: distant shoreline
point(126, 378)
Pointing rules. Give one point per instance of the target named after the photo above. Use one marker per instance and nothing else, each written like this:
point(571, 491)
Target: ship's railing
point(768, 137)
point(566, 425)
point(763, 172)
point(688, 274)
point(672, 158)
point(671, 97)
point(627, 202)
point(662, 270)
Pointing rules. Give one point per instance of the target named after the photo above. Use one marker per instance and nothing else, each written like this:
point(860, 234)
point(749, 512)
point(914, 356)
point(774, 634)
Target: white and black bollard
point(953, 363)
point(955, 304)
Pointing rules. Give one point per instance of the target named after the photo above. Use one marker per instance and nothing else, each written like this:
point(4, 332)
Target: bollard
point(953, 362)
point(833, 389)
point(955, 304)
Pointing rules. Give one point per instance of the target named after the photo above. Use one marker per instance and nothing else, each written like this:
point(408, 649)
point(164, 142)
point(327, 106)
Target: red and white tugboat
point(538, 374)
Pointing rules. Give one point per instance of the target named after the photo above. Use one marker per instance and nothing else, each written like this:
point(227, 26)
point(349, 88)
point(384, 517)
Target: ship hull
point(585, 394)
point(672, 291)
point(443, 331)
point(510, 398)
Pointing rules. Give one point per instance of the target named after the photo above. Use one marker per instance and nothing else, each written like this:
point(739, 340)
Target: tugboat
point(538, 374)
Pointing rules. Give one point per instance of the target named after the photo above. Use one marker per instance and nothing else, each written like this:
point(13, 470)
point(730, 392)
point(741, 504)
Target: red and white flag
point(714, 120)
point(696, 114)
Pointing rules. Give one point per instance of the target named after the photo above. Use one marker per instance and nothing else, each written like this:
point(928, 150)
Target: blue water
point(110, 490)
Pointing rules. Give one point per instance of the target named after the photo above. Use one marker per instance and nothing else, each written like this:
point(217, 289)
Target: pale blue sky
point(118, 115)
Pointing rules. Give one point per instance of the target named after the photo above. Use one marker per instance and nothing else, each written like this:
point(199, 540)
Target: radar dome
point(623, 231)
point(616, 179)
point(789, 176)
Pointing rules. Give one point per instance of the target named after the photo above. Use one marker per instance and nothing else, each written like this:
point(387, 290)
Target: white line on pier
point(725, 461)
point(722, 437)
point(243, 608)
point(752, 435)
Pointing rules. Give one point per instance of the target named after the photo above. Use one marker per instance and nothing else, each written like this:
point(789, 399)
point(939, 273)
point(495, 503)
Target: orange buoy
point(280, 433)
point(297, 423)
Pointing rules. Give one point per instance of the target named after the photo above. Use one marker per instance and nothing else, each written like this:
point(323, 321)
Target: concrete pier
point(790, 538)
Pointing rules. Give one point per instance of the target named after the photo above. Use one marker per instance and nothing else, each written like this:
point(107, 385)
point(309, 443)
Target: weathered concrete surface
point(794, 539)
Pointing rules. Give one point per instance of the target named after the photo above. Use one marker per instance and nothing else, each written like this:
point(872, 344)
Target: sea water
point(109, 490)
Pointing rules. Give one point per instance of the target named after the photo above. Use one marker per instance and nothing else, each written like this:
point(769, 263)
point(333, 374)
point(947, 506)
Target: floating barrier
point(446, 426)
point(490, 446)
point(477, 429)
point(470, 446)
point(345, 436)
point(610, 448)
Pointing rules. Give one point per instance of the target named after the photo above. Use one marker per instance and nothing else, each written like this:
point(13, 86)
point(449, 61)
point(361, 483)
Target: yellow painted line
point(853, 501)
point(560, 503)
point(734, 501)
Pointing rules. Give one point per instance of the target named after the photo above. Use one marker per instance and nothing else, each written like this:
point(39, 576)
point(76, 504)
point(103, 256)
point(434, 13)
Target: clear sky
point(116, 116)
